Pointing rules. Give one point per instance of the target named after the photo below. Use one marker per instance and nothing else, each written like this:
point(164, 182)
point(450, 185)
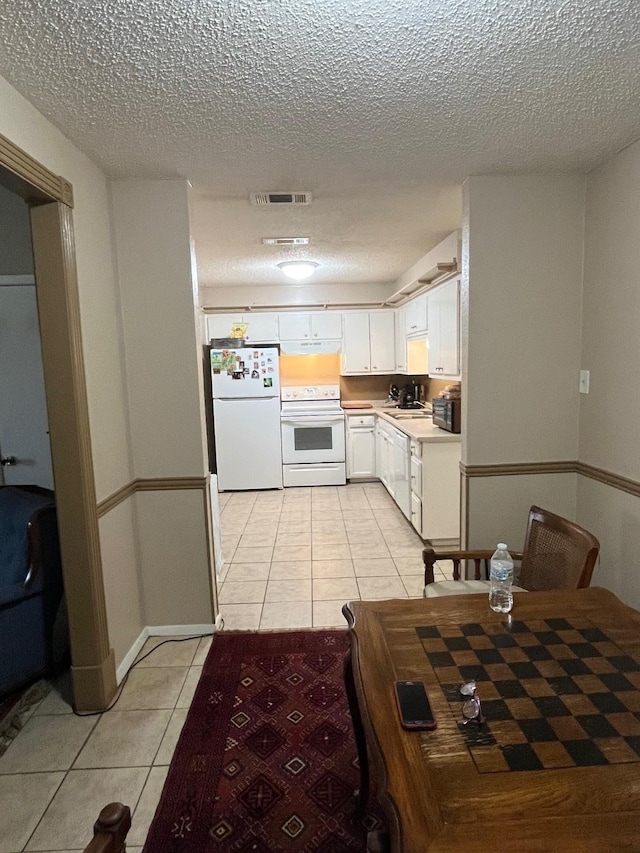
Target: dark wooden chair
point(557, 554)
point(110, 830)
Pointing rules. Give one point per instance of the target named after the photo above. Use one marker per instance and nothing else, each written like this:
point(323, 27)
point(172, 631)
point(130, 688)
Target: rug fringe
point(14, 721)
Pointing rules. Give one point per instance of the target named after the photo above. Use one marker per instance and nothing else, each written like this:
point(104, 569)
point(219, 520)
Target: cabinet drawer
point(361, 421)
point(416, 476)
point(416, 449)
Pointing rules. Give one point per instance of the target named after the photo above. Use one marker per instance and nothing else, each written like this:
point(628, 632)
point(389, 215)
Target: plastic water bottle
point(501, 579)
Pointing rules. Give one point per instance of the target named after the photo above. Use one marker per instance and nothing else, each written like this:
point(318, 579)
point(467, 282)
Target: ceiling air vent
point(285, 241)
point(261, 199)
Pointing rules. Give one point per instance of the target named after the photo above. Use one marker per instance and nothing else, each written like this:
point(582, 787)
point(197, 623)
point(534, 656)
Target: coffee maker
point(409, 396)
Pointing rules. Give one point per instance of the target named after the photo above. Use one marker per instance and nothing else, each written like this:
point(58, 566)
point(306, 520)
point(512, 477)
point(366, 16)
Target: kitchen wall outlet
point(584, 381)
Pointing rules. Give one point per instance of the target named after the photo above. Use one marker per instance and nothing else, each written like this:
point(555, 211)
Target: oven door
point(312, 438)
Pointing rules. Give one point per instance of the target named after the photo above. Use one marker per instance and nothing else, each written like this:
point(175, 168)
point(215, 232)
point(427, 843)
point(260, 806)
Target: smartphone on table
point(414, 706)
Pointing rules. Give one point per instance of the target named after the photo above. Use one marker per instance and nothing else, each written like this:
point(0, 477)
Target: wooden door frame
point(50, 198)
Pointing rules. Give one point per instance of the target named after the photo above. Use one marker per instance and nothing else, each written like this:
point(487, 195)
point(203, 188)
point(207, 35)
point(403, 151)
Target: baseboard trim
point(163, 631)
point(180, 630)
point(131, 655)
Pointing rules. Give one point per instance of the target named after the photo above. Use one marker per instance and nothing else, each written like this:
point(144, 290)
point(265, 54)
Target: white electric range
point(313, 436)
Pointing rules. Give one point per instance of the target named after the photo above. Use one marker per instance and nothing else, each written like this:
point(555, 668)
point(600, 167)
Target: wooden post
point(110, 830)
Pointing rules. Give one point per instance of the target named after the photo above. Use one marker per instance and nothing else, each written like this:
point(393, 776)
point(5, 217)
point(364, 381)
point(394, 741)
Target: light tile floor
point(295, 556)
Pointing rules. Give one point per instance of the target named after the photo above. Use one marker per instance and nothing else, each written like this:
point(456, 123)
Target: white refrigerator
point(246, 417)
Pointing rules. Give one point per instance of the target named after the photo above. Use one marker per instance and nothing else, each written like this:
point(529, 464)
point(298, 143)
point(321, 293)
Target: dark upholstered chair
point(557, 554)
point(30, 583)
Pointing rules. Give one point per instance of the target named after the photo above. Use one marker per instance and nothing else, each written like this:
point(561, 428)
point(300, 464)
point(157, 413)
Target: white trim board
point(163, 631)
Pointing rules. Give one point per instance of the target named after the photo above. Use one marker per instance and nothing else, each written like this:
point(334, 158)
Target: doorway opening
point(50, 200)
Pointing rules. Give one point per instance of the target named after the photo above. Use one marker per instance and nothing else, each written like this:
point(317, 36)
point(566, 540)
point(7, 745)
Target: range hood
point(310, 347)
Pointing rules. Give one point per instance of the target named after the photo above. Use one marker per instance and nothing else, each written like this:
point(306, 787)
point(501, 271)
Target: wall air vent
point(262, 199)
point(285, 241)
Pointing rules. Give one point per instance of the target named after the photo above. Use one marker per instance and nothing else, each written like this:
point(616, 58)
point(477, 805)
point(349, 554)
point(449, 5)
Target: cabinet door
point(219, 325)
point(326, 325)
point(262, 328)
point(361, 460)
point(401, 339)
point(444, 338)
point(382, 336)
point(416, 315)
point(294, 327)
point(356, 357)
point(416, 475)
point(416, 512)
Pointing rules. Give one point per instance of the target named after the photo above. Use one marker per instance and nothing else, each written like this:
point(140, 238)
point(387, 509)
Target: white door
point(244, 373)
point(261, 327)
point(361, 460)
point(383, 345)
point(401, 339)
point(326, 325)
point(293, 327)
point(248, 447)
point(444, 347)
point(356, 356)
point(219, 325)
point(24, 428)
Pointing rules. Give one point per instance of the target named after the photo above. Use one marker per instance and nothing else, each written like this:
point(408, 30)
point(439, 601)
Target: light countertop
point(418, 429)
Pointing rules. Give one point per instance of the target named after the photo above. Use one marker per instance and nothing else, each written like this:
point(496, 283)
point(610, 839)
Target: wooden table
point(435, 794)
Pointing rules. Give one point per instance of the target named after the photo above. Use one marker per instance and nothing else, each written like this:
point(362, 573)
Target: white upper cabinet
point(262, 327)
point(416, 315)
point(319, 326)
point(401, 339)
point(383, 344)
point(444, 330)
point(219, 325)
point(326, 325)
point(369, 342)
point(356, 348)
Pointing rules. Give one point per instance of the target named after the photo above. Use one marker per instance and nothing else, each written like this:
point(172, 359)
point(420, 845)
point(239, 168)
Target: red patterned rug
point(266, 761)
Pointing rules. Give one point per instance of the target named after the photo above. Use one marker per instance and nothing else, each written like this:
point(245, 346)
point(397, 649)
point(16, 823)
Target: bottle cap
point(502, 546)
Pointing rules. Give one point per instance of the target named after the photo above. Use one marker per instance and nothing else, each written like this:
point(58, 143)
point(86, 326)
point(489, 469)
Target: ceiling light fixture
point(298, 270)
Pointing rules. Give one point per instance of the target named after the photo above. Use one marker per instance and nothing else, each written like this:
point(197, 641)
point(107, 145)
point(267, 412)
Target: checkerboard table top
point(555, 692)
point(559, 687)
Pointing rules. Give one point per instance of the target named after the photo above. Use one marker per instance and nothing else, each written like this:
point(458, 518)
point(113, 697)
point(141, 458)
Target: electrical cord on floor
point(135, 663)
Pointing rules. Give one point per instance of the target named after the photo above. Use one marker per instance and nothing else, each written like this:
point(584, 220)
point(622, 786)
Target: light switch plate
point(584, 381)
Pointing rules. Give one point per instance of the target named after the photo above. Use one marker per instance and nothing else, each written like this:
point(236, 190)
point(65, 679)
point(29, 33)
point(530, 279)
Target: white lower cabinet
point(361, 447)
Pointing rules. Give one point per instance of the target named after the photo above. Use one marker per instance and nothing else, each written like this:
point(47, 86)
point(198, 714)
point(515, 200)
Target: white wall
point(521, 308)
point(101, 334)
point(163, 368)
point(610, 414)
point(294, 294)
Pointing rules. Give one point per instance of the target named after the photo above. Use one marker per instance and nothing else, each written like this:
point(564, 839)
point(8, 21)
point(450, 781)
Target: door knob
point(8, 461)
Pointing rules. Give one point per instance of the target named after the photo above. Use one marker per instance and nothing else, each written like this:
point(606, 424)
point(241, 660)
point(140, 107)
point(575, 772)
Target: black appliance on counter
point(410, 397)
point(447, 413)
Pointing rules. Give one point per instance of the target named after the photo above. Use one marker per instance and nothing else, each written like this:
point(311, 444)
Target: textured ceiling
point(380, 108)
